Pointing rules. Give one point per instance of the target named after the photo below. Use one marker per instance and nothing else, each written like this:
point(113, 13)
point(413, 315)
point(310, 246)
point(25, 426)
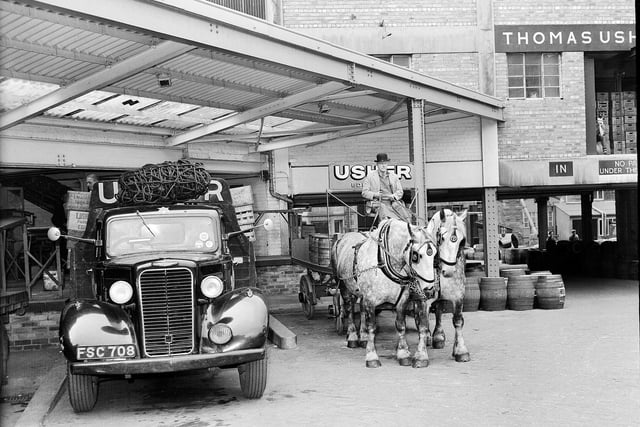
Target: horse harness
point(384, 263)
point(453, 238)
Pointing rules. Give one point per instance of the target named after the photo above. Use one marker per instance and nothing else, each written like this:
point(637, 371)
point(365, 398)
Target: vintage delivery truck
point(170, 293)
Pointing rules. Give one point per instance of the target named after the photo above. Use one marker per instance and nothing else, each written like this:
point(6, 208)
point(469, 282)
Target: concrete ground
point(575, 366)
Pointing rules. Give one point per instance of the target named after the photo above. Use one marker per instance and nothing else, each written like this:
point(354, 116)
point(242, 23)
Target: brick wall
point(509, 12)
point(33, 331)
point(545, 127)
point(458, 68)
point(367, 13)
point(280, 280)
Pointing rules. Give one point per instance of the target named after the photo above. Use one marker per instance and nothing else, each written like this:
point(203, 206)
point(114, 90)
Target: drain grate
point(17, 399)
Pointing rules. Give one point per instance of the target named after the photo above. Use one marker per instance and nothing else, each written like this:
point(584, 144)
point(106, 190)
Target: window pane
point(533, 92)
point(515, 58)
point(533, 81)
point(551, 58)
point(552, 92)
point(402, 60)
point(551, 81)
point(533, 58)
point(515, 70)
point(517, 92)
point(551, 70)
point(516, 82)
point(532, 70)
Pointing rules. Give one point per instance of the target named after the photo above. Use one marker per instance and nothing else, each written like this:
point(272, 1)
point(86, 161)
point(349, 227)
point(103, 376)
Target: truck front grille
point(166, 301)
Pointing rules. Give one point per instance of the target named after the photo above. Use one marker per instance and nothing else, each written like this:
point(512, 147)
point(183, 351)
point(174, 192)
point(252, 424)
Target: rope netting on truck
point(166, 182)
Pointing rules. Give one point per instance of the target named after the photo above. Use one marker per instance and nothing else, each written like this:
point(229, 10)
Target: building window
point(250, 7)
point(534, 75)
point(401, 60)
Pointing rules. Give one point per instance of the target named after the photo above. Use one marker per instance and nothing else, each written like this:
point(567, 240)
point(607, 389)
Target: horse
point(391, 265)
point(450, 232)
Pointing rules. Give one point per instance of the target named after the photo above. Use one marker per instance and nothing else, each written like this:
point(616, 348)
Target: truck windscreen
point(161, 232)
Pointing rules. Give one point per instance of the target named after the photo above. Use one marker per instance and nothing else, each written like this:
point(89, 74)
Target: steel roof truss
point(99, 80)
point(235, 32)
point(258, 112)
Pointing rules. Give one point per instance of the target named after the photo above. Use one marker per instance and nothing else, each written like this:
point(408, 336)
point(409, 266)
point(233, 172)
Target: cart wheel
point(337, 311)
point(306, 297)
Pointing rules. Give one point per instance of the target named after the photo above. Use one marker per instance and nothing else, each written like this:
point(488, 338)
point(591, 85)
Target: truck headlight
point(120, 292)
point(220, 333)
point(211, 286)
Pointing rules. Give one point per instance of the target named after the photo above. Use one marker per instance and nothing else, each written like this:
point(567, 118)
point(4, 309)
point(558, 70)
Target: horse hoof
point(462, 357)
point(438, 344)
point(420, 363)
point(353, 344)
point(404, 362)
point(362, 344)
point(373, 363)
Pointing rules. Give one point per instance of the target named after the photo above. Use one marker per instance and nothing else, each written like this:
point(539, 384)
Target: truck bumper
point(166, 364)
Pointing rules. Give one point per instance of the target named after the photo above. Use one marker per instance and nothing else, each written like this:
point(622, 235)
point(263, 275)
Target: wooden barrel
point(493, 293)
point(540, 273)
point(550, 291)
point(313, 248)
point(324, 249)
point(521, 292)
point(535, 260)
point(509, 272)
point(471, 300)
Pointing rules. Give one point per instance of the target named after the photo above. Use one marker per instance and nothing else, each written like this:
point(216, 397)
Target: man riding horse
point(383, 192)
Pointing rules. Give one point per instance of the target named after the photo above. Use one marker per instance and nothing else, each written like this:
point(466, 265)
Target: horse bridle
point(453, 238)
point(414, 257)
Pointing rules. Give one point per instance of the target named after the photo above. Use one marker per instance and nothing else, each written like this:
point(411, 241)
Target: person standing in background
point(91, 180)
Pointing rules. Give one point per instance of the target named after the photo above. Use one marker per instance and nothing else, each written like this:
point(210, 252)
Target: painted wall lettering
point(349, 176)
point(564, 38)
point(617, 167)
point(561, 168)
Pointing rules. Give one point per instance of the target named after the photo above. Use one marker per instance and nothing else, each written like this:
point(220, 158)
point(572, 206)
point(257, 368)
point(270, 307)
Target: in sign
point(560, 168)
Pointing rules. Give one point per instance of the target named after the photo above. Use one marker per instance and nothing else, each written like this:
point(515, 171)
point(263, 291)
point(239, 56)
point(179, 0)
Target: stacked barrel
point(320, 248)
point(516, 290)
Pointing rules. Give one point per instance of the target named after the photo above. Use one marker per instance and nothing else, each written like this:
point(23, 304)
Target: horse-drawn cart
point(314, 254)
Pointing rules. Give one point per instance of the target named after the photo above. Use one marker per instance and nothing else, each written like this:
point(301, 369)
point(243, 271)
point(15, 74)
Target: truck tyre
point(83, 391)
point(253, 378)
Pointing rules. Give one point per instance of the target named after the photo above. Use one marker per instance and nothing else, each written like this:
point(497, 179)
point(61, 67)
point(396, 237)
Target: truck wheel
point(253, 378)
point(83, 391)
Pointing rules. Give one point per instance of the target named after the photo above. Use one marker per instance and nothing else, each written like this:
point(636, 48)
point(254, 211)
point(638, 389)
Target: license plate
point(126, 351)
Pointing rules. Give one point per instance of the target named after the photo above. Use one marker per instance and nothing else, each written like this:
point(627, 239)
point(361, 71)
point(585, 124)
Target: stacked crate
point(617, 123)
point(602, 111)
point(630, 121)
point(243, 204)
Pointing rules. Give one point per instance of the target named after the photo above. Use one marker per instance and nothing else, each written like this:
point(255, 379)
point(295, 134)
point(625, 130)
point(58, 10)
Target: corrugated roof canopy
point(183, 71)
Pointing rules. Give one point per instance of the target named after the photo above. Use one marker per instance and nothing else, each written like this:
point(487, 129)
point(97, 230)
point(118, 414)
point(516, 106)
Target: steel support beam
point(207, 25)
point(491, 238)
point(417, 150)
point(258, 112)
point(39, 153)
point(102, 78)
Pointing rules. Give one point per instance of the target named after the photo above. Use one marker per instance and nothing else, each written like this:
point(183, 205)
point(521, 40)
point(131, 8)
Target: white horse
point(391, 265)
point(450, 232)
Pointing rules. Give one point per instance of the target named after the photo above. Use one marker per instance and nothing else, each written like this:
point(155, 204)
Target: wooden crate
point(246, 218)
point(242, 196)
